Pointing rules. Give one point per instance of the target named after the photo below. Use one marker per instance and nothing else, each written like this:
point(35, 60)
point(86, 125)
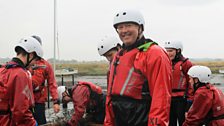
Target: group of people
point(23, 92)
point(147, 85)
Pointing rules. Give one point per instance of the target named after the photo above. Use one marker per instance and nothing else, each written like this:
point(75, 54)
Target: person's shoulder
point(155, 49)
point(44, 62)
point(19, 72)
point(204, 91)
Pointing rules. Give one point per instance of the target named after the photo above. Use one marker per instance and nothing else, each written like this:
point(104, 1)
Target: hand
point(56, 108)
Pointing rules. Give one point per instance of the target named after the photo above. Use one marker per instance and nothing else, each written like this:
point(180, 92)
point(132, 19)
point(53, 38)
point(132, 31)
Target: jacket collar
point(136, 44)
point(18, 61)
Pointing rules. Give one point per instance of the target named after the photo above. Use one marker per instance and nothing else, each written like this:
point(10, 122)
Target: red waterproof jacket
point(208, 107)
point(42, 71)
point(16, 97)
point(82, 99)
point(146, 67)
point(180, 85)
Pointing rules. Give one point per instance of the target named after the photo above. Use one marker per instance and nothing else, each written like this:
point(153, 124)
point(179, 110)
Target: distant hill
point(51, 60)
point(4, 60)
point(206, 59)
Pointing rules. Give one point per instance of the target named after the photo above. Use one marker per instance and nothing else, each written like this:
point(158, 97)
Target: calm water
point(217, 79)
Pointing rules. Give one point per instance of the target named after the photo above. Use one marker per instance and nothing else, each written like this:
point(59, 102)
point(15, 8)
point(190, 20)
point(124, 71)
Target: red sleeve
point(81, 98)
point(158, 72)
point(51, 81)
point(22, 100)
point(200, 108)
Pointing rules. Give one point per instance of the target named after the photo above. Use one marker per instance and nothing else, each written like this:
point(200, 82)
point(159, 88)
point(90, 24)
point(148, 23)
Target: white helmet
point(30, 44)
point(129, 16)
point(37, 38)
point(107, 43)
point(203, 73)
point(174, 44)
point(60, 89)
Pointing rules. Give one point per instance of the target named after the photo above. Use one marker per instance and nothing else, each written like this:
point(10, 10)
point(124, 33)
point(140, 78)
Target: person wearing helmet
point(16, 97)
point(108, 47)
point(42, 71)
point(208, 106)
point(182, 92)
point(140, 79)
point(86, 97)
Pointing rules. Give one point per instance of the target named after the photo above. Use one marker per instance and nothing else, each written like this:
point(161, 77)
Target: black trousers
point(177, 111)
point(39, 113)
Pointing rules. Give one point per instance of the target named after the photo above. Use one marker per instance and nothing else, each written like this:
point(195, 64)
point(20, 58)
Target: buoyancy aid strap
point(145, 46)
point(125, 98)
point(5, 112)
point(145, 91)
point(217, 118)
point(178, 90)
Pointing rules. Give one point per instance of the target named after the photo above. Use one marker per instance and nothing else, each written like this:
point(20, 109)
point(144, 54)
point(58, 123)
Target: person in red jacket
point(16, 97)
point(140, 77)
point(86, 97)
point(42, 71)
point(208, 103)
point(108, 47)
point(182, 92)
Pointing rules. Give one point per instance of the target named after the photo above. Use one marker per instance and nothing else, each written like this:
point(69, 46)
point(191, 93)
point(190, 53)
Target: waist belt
point(206, 122)
point(178, 90)
point(125, 98)
point(217, 118)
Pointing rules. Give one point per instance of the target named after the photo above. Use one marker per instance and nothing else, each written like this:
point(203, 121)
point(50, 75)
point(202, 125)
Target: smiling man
point(140, 77)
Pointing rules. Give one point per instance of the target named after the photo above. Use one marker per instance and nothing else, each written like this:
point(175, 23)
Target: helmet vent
point(101, 46)
point(117, 15)
point(25, 40)
point(124, 13)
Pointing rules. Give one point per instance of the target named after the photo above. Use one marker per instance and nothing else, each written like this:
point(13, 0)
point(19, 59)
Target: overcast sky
point(199, 24)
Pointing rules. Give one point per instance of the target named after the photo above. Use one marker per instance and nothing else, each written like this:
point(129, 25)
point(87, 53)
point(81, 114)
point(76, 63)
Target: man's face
point(128, 33)
point(110, 55)
point(171, 53)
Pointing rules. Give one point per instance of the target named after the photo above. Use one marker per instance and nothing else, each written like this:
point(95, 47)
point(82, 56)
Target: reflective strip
point(26, 91)
point(127, 80)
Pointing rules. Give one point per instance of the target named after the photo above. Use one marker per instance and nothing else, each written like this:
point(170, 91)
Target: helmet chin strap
point(29, 61)
point(139, 34)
